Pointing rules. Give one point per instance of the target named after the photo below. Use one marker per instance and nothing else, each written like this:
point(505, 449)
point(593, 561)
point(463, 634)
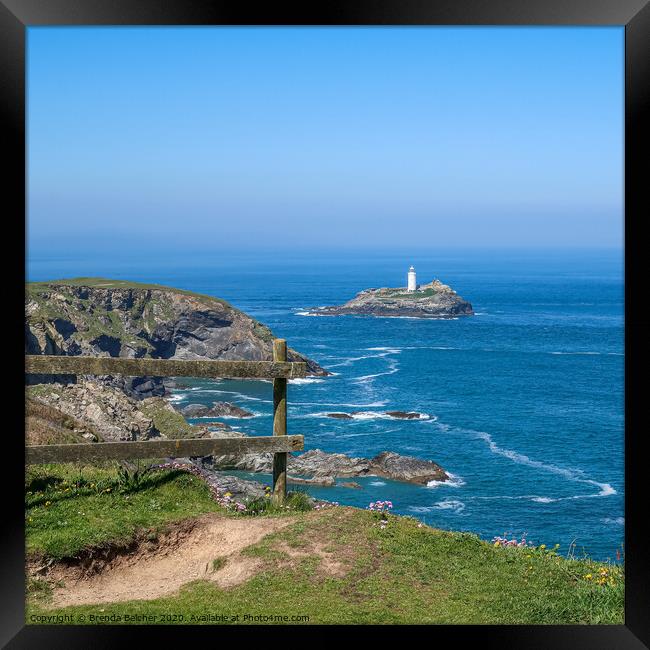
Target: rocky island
point(432, 300)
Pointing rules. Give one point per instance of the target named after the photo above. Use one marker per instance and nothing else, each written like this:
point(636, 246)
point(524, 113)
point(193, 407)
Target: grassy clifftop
point(331, 565)
point(107, 283)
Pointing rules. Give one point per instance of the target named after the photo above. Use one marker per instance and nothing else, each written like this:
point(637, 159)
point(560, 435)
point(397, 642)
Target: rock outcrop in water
point(218, 409)
point(94, 316)
point(364, 415)
point(433, 300)
point(319, 465)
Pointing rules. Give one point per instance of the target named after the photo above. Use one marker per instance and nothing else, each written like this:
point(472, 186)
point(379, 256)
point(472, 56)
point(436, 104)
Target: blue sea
point(524, 400)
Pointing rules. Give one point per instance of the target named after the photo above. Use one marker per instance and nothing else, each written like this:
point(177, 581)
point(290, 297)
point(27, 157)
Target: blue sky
point(324, 137)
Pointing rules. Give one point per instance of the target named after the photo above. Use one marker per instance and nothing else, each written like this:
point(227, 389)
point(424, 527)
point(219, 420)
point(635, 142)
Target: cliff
point(95, 316)
point(433, 300)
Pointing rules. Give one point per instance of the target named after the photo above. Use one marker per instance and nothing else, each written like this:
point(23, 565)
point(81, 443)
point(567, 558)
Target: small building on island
point(412, 283)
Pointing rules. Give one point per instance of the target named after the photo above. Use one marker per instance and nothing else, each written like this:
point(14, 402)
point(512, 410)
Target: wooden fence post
point(279, 424)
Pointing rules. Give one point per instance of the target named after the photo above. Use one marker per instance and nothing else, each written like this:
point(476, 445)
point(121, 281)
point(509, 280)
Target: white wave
point(351, 360)
point(450, 504)
point(393, 367)
point(574, 353)
point(571, 474)
point(231, 417)
point(237, 396)
point(370, 415)
point(339, 404)
point(175, 398)
point(377, 483)
point(306, 380)
point(390, 350)
point(617, 521)
point(454, 481)
point(543, 499)
point(434, 347)
point(365, 378)
point(360, 415)
point(421, 509)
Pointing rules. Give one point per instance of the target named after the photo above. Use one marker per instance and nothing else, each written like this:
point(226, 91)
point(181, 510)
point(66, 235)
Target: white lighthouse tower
point(412, 284)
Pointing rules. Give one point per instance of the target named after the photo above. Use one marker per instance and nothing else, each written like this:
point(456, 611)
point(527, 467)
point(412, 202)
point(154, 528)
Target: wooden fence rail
point(280, 444)
point(36, 454)
point(63, 365)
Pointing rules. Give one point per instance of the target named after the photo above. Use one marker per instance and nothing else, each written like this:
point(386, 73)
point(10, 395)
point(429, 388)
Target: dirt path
point(181, 557)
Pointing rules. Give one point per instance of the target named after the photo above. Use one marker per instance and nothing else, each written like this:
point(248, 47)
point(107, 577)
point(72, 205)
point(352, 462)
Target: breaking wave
point(454, 481)
point(571, 474)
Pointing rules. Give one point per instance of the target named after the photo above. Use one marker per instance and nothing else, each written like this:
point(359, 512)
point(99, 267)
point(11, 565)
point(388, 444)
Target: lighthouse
point(412, 285)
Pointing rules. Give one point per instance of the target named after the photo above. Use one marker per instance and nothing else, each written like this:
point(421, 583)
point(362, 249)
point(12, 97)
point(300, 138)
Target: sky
point(198, 138)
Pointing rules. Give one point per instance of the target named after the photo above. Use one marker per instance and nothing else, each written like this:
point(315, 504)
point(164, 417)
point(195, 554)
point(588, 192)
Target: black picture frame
point(17, 15)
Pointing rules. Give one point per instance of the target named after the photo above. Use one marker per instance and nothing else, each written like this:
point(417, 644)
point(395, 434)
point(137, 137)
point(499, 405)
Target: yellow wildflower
point(542, 547)
point(588, 576)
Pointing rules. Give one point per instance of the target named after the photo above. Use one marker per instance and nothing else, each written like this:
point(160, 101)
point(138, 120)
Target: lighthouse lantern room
point(412, 284)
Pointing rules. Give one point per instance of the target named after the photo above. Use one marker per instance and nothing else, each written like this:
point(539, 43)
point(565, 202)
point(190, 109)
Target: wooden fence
point(280, 444)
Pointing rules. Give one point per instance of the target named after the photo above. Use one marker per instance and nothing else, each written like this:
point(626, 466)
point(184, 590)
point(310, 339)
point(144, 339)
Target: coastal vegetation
point(327, 563)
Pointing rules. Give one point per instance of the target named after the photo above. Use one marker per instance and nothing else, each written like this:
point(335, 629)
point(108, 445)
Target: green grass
point(106, 283)
point(70, 508)
point(403, 573)
point(170, 423)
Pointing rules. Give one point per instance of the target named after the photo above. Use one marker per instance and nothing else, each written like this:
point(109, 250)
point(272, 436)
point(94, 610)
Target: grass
point(403, 573)
point(106, 283)
point(69, 508)
point(169, 422)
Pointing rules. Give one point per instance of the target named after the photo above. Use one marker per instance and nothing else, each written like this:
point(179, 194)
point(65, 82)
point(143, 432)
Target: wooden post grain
point(279, 423)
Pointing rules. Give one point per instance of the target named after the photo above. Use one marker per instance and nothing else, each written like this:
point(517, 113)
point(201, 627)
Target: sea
point(522, 404)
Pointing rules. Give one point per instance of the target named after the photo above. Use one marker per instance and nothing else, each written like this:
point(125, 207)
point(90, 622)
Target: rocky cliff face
point(93, 316)
point(102, 412)
point(432, 300)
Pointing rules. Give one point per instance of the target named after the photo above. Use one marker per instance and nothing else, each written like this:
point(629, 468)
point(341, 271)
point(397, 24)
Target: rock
point(399, 415)
point(193, 410)
point(101, 317)
point(406, 468)
point(405, 415)
point(319, 464)
point(103, 408)
point(324, 481)
point(239, 488)
point(351, 484)
point(433, 300)
point(218, 409)
point(220, 425)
